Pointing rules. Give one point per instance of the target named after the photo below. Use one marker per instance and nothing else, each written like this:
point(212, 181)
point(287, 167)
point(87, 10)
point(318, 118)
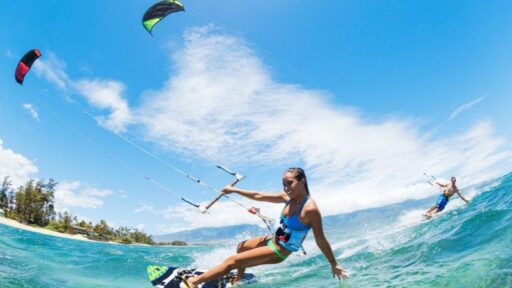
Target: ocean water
point(466, 246)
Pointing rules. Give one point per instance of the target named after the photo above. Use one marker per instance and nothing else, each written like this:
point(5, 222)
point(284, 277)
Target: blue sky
point(364, 95)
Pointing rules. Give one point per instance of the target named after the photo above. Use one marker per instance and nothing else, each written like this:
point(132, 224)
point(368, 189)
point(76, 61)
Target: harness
point(291, 233)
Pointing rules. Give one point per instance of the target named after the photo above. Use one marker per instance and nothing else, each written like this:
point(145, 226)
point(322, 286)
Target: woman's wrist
point(333, 262)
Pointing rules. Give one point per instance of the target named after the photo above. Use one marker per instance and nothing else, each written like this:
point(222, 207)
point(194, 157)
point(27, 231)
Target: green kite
point(159, 11)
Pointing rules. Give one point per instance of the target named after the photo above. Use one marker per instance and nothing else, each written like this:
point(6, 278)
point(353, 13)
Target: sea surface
point(466, 246)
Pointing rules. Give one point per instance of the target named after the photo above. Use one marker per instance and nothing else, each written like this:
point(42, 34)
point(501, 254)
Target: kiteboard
point(432, 216)
point(172, 277)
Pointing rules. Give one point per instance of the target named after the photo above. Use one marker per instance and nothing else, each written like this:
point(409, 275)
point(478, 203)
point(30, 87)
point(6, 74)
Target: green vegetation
point(33, 204)
point(173, 243)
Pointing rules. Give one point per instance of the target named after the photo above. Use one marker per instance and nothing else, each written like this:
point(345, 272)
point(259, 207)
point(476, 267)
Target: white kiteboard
point(172, 277)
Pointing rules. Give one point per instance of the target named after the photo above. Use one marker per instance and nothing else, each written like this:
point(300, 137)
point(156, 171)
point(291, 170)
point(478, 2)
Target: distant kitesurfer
point(448, 190)
point(300, 214)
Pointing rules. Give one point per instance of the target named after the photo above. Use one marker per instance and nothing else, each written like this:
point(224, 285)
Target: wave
point(465, 246)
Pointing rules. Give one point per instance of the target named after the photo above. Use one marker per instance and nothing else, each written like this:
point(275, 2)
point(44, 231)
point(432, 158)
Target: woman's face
point(291, 186)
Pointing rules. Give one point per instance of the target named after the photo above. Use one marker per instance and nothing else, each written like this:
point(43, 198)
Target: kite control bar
point(430, 176)
point(238, 178)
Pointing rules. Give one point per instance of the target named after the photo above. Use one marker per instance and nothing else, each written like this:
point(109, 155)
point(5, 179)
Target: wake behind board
point(432, 216)
point(171, 277)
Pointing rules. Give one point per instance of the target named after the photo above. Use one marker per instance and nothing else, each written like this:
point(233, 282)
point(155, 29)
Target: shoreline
point(15, 224)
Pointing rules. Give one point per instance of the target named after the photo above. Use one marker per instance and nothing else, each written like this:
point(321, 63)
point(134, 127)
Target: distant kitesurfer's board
point(430, 217)
point(171, 277)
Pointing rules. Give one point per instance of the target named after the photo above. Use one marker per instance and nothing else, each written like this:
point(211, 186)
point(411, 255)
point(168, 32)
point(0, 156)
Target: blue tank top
point(291, 233)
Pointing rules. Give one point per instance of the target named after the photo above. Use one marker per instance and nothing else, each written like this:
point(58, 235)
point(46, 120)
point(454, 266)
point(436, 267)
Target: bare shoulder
point(311, 207)
point(312, 213)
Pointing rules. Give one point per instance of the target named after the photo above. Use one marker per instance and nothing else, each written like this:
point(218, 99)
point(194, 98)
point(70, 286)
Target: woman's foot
point(232, 282)
point(188, 282)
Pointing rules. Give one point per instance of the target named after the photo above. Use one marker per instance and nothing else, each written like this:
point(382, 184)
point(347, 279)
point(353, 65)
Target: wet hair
point(453, 178)
point(299, 174)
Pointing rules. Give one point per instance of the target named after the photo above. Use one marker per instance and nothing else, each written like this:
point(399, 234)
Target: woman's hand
point(229, 189)
point(338, 271)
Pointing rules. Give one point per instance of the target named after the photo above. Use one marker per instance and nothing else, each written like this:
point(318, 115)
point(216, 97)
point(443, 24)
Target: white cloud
point(144, 207)
point(16, 166)
point(464, 107)
point(102, 94)
point(224, 105)
point(223, 98)
point(76, 194)
point(53, 70)
point(32, 110)
point(223, 213)
point(107, 95)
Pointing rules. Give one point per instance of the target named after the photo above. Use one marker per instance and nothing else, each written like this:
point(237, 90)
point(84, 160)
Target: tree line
point(33, 204)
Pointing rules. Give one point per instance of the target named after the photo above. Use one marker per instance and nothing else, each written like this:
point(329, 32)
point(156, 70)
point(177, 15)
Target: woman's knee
point(240, 247)
point(230, 263)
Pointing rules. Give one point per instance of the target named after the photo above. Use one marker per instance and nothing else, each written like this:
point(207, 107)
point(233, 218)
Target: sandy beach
point(18, 225)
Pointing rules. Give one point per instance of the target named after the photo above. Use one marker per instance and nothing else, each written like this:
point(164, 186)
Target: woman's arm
point(323, 244)
point(258, 196)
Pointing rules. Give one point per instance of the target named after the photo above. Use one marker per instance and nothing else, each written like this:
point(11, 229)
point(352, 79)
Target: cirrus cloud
point(223, 104)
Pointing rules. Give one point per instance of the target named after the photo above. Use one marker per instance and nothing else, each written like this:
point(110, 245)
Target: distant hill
point(211, 234)
point(352, 222)
point(374, 217)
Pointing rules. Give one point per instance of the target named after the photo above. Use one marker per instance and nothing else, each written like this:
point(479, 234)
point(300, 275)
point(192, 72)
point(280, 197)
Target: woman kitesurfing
point(299, 215)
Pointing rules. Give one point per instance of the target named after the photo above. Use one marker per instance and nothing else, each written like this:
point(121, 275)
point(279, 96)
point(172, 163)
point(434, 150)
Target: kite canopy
point(159, 11)
point(25, 64)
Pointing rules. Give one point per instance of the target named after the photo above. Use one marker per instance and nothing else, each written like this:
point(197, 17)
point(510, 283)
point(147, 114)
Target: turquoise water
point(466, 246)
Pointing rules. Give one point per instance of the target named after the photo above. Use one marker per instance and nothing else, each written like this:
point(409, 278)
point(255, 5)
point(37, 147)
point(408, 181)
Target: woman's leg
point(253, 257)
point(246, 246)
